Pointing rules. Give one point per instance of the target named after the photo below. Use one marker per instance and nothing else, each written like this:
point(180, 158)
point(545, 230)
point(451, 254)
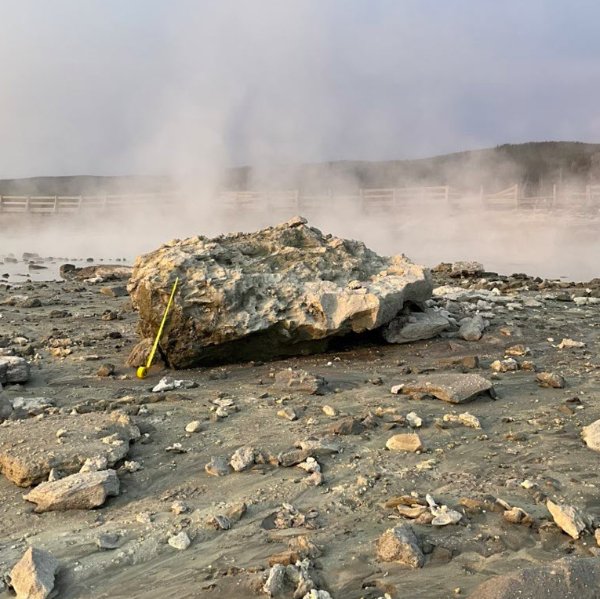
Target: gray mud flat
point(528, 450)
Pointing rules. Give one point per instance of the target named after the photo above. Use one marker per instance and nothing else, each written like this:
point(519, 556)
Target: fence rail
point(82, 203)
point(388, 200)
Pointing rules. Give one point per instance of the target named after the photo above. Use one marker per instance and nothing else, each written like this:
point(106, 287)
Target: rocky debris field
point(458, 458)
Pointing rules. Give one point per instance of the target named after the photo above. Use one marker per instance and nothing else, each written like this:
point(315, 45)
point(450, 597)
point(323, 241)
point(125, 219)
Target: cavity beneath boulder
point(29, 449)
point(284, 290)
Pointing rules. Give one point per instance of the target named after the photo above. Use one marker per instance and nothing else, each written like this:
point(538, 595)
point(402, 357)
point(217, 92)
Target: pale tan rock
point(451, 387)
point(400, 544)
point(81, 491)
point(567, 518)
point(29, 449)
point(33, 576)
point(591, 435)
point(404, 442)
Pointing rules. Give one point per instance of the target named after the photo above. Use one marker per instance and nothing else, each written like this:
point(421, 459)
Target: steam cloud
point(189, 88)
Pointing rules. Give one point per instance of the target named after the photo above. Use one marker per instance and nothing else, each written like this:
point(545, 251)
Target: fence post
point(447, 190)
point(55, 204)
point(105, 203)
point(554, 194)
point(27, 204)
point(0, 202)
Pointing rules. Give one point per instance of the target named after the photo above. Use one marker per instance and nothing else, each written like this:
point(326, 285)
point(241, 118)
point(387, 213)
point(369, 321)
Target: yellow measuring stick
point(142, 371)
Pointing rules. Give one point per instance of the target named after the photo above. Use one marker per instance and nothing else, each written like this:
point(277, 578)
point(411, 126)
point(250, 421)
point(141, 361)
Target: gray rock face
point(471, 329)
point(412, 327)
point(82, 491)
point(29, 448)
point(400, 544)
point(285, 290)
point(568, 578)
point(13, 370)
point(33, 576)
point(455, 388)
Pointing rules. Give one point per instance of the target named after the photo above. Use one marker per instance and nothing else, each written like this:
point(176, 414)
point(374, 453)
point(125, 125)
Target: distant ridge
point(538, 165)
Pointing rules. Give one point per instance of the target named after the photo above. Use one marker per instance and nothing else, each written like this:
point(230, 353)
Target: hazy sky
point(150, 86)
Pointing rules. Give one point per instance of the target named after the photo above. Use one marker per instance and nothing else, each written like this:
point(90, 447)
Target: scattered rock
point(217, 467)
point(193, 427)
point(242, 459)
point(591, 435)
point(81, 491)
point(107, 541)
point(299, 381)
point(13, 370)
point(550, 379)
point(180, 541)
point(567, 518)
point(455, 388)
point(346, 426)
point(400, 544)
point(33, 576)
point(404, 442)
point(413, 326)
point(471, 329)
point(29, 448)
point(106, 370)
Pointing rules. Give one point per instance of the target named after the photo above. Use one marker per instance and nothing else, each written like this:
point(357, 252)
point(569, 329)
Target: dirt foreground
point(528, 450)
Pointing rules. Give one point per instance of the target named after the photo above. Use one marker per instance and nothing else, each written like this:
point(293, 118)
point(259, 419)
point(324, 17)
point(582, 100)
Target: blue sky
point(152, 86)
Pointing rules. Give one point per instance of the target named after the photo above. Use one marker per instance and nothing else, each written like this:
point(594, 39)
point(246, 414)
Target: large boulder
point(285, 290)
point(567, 578)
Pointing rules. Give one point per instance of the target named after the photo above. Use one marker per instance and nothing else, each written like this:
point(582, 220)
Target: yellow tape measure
point(142, 371)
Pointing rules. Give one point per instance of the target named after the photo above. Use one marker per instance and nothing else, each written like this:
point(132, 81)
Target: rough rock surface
point(400, 544)
point(567, 578)
point(591, 435)
point(567, 518)
point(299, 381)
point(284, 290)
point(29, 449)
point(13, 370)
point(417, 325)
point(33, 576)
point(82, 491)
point(455, 388)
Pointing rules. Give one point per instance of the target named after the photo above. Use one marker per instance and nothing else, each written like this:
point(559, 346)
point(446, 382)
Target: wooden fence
point(82, 203)
point(390, 200)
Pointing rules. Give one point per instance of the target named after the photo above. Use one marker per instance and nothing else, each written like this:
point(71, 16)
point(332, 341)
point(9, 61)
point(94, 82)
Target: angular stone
point(400, 544)
point(180, 541)
point(299, 381)
point(81, 491)
point(346, 426)
point(567, 578)
point(242, 459)
point(217, 467)
point(415, 326)
point(404, 442)
point(13, 370)
point(471, 329)
point(33, 576)
point(29, 448)
point(567, 518)
point(284, 290)
point(591, 435)
point(550, 379)
point(455, 388)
